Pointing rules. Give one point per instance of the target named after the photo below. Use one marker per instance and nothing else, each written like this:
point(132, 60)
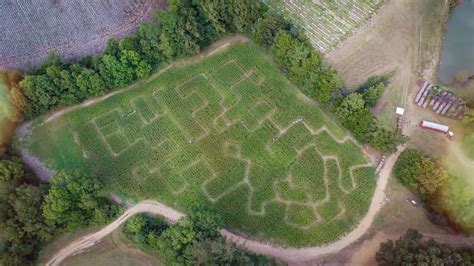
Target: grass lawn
point(114, 250)
point(229, 131)
point(468, 146)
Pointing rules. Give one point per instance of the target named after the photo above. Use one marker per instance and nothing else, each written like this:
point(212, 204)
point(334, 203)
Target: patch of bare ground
point(111, 251)
point(32, 29)
point(404, 39)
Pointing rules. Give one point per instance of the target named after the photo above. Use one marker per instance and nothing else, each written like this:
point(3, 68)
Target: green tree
point(386, 141)
point(410, 249)
point(11, 170)
point(372, 94)
point(355, 116)
point(75, 201)
point(136, 224)
point(420, 173)
point(267, 28)
point(23, 229)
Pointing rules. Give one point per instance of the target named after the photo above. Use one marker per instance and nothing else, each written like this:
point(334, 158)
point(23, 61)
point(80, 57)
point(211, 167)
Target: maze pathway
point(229, 131)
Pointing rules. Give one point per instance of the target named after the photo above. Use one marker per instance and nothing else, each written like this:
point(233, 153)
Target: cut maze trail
point(292, 255)
point(197, 133)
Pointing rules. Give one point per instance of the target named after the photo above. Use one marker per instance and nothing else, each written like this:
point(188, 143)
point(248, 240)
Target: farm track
point(292, 255)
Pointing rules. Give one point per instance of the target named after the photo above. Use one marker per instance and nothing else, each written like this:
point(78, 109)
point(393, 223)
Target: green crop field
point(229, 131)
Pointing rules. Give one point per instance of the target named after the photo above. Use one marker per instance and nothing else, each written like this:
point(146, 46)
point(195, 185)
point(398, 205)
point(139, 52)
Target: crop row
point(229, 131)
point(328, 22)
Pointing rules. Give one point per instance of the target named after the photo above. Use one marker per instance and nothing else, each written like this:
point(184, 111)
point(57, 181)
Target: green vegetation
point(354, 113)
point(21, 223)
point(74, 201)
point(445, 194)
point(468, 142)
point(201, 133)
point(193, 240)
point(5, 111)
point(305, 67)
point(185, 28)
point(27, 208)
point(410, 249)
point(420, 173)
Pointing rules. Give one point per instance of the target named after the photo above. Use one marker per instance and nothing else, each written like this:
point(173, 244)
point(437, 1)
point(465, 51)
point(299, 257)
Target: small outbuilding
point(400, 111)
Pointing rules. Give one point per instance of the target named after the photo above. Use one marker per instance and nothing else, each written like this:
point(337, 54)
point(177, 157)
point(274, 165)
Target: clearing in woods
point(228, 131)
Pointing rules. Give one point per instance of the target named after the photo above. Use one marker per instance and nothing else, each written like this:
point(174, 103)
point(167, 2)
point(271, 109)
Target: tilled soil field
point(30, 30)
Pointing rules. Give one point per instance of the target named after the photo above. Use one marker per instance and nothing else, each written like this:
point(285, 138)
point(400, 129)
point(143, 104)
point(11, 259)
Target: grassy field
point(114, 250)
point(229, 131)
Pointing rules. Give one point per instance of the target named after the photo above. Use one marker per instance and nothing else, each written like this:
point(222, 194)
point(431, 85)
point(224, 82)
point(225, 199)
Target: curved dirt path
point(285, 254)
point(81, 244)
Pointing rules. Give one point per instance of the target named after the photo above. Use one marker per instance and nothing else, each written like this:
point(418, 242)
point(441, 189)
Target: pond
point(457, 55)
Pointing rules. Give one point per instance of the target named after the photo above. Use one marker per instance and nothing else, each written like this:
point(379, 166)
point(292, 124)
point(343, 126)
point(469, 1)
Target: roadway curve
point(285, 254)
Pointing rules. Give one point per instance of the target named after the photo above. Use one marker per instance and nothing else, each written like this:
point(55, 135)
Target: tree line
point(32, 212)
point(354, 112)
point(193, 240)
point(411, 249)
point(184, 29)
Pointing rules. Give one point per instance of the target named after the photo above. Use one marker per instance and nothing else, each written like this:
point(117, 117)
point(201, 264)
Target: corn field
point(229, 131)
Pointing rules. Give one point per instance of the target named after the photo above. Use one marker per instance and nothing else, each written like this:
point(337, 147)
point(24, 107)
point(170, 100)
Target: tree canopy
point(410, 249)
point(420, 173)
point(21, 224)
point(184, 29)
point(193, 240)
point(353, 111)
point(75, 200)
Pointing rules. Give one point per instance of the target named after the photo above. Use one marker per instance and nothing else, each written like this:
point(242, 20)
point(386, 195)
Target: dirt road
point(85, 242)
point(285, 254)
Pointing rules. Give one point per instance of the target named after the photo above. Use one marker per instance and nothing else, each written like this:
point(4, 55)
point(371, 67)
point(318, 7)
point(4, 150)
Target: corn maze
point(228, 131)
point(328, 22)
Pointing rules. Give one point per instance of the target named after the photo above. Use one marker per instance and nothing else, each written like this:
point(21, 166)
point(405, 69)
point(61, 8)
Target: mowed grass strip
point(229, 131)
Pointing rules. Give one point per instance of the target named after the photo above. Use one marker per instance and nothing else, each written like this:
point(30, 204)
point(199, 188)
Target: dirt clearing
point(404, 39)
